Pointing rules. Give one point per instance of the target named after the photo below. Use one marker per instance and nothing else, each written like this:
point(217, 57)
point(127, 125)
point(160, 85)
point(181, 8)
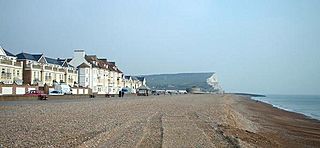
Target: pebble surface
point(155, 121)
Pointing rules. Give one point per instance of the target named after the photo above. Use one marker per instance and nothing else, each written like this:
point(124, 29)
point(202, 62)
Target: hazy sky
point(261, 46)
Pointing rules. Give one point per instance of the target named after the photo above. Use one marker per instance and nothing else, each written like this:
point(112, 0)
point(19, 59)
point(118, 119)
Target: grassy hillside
point(179, 81)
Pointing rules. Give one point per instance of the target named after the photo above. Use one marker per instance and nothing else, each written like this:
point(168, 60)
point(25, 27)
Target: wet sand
point(155, 121)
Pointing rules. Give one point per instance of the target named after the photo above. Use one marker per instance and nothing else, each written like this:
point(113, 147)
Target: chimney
point(79, 53)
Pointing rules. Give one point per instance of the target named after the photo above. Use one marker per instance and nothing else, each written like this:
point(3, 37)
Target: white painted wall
point(20, 90)
point(7, 90)
point(80, 91)
point(85, 91)
point(74, 91)
point(2, 53)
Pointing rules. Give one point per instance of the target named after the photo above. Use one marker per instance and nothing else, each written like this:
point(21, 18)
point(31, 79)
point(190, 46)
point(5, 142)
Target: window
point(18, 72)
point(87, 80)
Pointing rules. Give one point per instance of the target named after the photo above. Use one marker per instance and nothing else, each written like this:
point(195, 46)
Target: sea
point(308, 105)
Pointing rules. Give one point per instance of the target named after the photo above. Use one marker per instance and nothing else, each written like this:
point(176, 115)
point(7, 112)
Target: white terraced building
point(11, 69)
point(102, 76)
point(39, 69)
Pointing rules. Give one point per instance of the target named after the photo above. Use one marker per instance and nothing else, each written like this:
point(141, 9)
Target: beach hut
point(143, 90)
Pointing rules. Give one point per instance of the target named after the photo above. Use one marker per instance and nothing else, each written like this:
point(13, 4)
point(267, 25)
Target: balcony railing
point(48, 78)
point(10, 62)
point(6, 75)
point(48, 67)
point(61, 70)
point(36, 66)
point(55, 69)
point(7, 62)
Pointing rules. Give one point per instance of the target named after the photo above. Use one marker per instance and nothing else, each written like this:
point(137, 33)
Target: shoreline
point(185, 120)
point(310, 116)
point(285, 128)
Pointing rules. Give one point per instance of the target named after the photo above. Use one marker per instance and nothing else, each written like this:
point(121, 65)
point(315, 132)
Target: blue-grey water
point(308, 105)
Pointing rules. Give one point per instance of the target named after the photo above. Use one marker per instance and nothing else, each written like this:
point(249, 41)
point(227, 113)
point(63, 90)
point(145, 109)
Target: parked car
point(56, 93)
point(37, 93)
point(64, 88)
point(126, 90)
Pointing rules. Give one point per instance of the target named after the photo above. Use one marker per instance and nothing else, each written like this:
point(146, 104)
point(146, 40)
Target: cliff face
point(182, 81)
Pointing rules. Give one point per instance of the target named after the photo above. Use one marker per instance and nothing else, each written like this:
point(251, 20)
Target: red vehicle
point(37, 93)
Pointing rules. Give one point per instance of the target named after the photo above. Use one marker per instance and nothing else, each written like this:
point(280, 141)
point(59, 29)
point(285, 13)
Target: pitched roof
point(83, 65)
point(25, 56)
point(141, 79)
point(53, 61)
point(69, 59)
point(91, 57)
point(37, 56)
point(101, 63)
point(9, 53)
point(135, 78)
point(127, 77)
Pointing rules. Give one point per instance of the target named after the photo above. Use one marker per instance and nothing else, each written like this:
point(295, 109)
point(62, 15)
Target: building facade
point(11, 69)
point(102, 76)
point(131, 83)
point(39, 70)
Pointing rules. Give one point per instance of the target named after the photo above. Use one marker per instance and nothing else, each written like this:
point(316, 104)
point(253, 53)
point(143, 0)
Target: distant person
point(122, 94)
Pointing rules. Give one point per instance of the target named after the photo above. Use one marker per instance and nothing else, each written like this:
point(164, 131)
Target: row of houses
point(82, 70)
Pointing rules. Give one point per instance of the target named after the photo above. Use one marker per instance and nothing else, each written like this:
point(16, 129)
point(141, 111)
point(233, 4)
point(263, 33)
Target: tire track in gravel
point(153, 132)
point(213, 132)
point(121, 136)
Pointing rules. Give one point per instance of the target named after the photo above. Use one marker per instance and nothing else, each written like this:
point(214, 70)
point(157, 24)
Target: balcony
point(37, 66)
point(10, 62)
point(48, 68)
point(61, 70)
point(72, 71)
point(55, 69)
point(6, 75)
point(48, 78)
point(7, 62)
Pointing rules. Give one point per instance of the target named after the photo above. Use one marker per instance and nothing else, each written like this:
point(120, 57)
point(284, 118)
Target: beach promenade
point(154, 121)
